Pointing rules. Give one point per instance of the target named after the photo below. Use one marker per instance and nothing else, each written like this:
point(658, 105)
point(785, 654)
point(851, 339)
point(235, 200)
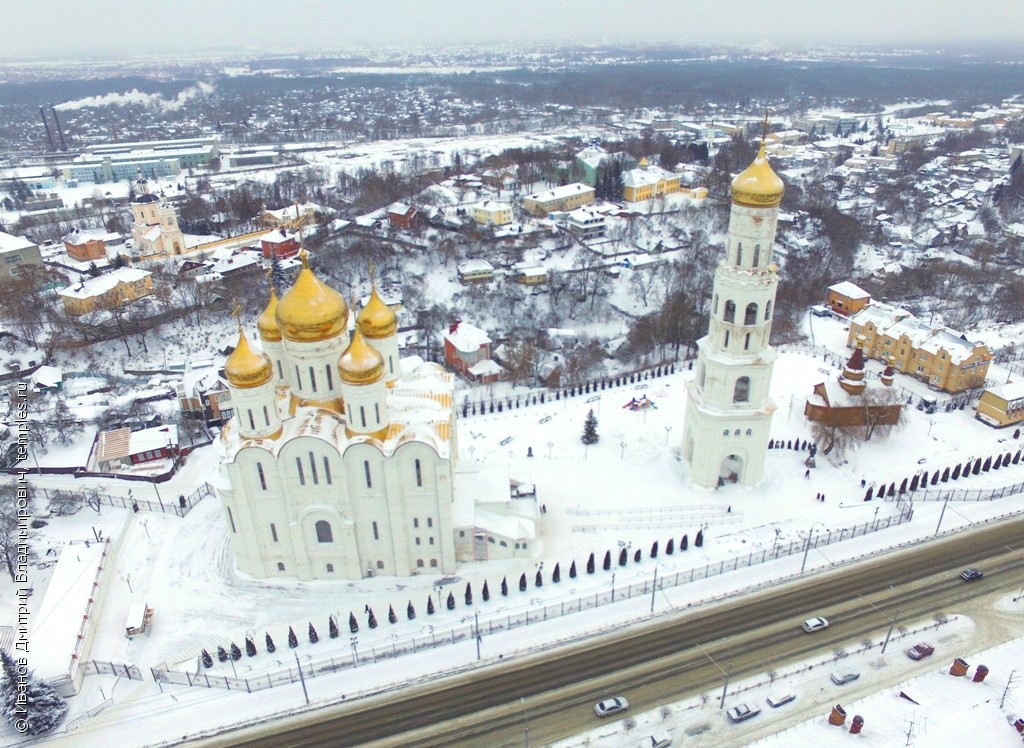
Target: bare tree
point(878, 403)
point(12, 542)
point(836, 439)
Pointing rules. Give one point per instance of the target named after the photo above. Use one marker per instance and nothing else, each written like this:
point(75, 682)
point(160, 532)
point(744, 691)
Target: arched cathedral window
point(323, 532)
point(757, 255)
point(768, 310)
point(730, 311)
point(739, 253)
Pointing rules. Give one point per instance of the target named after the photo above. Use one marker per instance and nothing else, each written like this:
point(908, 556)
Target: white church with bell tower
point(728, 405)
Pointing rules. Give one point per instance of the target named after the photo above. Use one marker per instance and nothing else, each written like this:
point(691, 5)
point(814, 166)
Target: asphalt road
point(552, 695)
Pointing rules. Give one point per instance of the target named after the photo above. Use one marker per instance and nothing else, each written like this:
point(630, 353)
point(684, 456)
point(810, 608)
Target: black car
point(970, 575)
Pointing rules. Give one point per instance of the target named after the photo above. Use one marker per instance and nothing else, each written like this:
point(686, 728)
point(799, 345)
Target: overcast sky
point(68, 28)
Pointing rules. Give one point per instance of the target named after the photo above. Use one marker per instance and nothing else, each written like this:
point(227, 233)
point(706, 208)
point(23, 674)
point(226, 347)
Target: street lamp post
point(613, 586)
point(892, 625)
point(550, 445)
point(354, 642)
point(807, 549)
point(668, 430)
point(654, 587)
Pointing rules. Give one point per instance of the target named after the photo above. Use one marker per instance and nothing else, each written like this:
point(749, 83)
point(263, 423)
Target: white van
point(656, 740)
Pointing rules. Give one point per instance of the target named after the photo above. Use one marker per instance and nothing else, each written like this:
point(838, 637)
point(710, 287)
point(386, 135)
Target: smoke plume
point(135, 96)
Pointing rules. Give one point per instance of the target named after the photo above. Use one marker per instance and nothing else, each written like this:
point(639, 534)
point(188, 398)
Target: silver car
point(839, 677)
point(611, 706)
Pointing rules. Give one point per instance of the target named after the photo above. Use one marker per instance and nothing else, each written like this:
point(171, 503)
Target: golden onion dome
point(311, 310)
point(361, 363)
point(245, 367)
point(377, 320)
point(758, 186)
point(267, 322)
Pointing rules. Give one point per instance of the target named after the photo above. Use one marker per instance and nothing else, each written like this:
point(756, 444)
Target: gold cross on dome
point(764, 134)
point(236, 311)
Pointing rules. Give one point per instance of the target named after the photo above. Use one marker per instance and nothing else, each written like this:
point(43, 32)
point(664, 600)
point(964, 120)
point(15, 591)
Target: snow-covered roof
point(81, 236)
point(104, 283)
point(467, 338)
point(475, 266)
point(849, 290)
point(47, 376)
point(490, 206)
point(559, 193)
point(897, 323)
point(157, 437)
point(485, 368)
point(646, 176)
point(10, 243)
point(1009, 391)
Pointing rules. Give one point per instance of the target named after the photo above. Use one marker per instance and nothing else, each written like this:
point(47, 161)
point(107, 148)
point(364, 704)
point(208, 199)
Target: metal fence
point(591, 389)
point(105, 667)
point(469, 630)
point(965, 494)
point(179, 506)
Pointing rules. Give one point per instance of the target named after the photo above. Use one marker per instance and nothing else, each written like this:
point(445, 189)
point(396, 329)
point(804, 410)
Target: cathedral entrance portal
point(731, 470)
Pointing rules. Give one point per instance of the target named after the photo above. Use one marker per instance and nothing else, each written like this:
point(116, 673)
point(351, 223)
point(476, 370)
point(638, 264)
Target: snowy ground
point(183, 568)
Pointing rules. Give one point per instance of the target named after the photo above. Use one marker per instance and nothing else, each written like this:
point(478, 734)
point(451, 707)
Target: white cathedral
point(338, 462)
point(728, 405)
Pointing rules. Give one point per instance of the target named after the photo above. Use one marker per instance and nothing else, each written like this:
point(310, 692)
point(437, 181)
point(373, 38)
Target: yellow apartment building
point(940, 356)
point(108, 291)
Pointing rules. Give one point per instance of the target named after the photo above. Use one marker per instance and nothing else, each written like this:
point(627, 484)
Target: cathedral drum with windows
point(728, 405)
point(338, 461)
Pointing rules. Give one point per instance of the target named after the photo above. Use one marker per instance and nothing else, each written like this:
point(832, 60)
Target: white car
point(742, 712)
point(776, 700)
point(611, 706)
point(815, 624)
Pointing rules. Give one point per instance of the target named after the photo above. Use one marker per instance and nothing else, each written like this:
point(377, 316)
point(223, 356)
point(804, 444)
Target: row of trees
point(234, 652)
point(944, 475)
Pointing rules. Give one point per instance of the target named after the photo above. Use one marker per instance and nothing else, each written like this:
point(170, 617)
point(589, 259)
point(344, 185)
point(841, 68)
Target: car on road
point(844, 675)
point(656, 740)
point(920, 650)
point(972, 574)
point(742, 712)
point(815, 624)
point(821, 311)
point(611, 706)
point(776, 700)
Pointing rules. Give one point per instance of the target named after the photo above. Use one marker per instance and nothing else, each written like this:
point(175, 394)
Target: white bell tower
point(728, 405)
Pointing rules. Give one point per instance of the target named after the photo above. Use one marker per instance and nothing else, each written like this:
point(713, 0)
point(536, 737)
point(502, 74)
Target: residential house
point(16, 254)
point(940, 356)
point(467, 350)
point(123, 448)
point(558, 199)
point(402, 216)
point(530, 276)
point(87, 245)
point(847, 298)
point(1002, 406)
point(490, 212)
point(203, 394)
point(475, 271)
point(280, 243)
point(586, 223)
point(113, 289)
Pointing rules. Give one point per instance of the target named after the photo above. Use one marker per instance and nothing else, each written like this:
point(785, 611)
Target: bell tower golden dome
point(245, 367)
point(311, 311)
point(758, 186)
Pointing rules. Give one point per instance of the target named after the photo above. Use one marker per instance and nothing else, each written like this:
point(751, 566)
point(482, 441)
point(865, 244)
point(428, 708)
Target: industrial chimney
point(46, 124)
point(60, 132)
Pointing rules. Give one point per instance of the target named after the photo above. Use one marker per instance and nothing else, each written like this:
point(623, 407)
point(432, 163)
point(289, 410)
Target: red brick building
point(402, 216)
point(279, 243)
point(467, 350)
